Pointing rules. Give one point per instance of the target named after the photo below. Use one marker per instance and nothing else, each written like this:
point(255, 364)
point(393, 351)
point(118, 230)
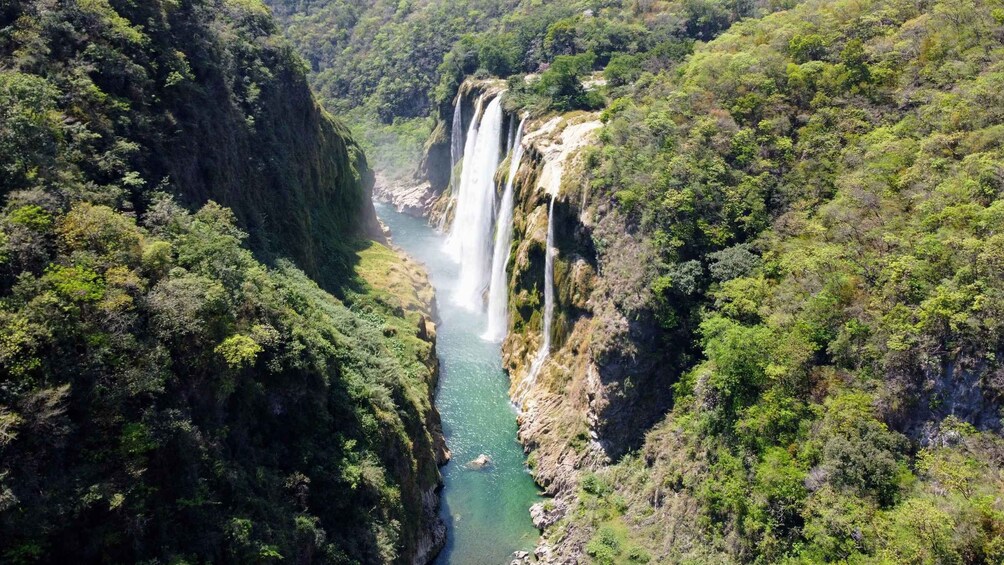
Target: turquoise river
point(486, 511)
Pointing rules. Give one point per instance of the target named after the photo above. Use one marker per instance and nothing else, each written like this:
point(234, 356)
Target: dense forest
point(781, 251)
point(817, 191)
point(386, 65)
point(801, 198)
point(178, 381)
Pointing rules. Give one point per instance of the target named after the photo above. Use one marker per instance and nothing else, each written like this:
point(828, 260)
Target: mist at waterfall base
point(486, 511)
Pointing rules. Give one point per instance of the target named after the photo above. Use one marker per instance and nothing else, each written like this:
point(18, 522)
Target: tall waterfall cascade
point(452, 245)
point(456, 154)
point(498, 290)
point(511, 136)
point(545, 343)
point(470, 236)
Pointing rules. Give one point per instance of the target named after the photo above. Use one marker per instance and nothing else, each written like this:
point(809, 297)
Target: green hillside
point(818, 190)
point(174, 385)
point(778, 267)
point(794, 208)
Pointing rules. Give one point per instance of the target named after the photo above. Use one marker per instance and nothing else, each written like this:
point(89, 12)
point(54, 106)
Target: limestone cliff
point(597, 391)
point(599, 388)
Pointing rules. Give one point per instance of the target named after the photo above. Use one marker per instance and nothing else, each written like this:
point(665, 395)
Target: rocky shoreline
point(433, 538)
point(565, 422)
point(412, 198)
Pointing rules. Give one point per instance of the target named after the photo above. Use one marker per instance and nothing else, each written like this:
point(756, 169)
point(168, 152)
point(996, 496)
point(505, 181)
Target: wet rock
point(556, 141)
point(480, 462)
point(433, 538)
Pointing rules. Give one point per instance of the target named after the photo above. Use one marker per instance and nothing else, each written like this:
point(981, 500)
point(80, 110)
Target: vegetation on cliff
point(818, 191)
point(388, 65)
point(174, 384)
point(809, 207)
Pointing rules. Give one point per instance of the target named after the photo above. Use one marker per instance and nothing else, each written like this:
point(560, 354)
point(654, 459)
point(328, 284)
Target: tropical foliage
point(389, 64)
point(172, 389)
point(818, 191)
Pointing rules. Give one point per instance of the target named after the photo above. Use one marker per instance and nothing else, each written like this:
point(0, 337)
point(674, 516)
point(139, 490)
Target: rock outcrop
point(414, 199)
point(600, 386)
point(480, 463)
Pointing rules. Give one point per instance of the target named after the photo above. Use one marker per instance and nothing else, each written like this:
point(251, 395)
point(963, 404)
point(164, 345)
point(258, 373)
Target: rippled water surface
point(486, 511)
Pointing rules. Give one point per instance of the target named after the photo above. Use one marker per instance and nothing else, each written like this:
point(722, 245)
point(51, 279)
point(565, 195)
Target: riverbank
point(485, 507)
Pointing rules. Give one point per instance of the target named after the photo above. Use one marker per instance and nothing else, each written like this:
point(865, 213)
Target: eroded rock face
point(556, 142)
point(546, 514)
point(414, 199)
point(605, 381)
point(434, 537)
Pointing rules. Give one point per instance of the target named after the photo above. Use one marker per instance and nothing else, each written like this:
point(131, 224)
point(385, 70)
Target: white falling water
point(466, 169)
point(545, 344)
point(472, 225)
point(510, 137)
point(456, 154)
point(456, 141)
point(498, 303)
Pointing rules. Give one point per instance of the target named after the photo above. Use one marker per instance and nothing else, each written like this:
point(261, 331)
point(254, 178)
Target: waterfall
point(456, 155)
point(456, 141)
point(511, 136)
point(472, 224)
point(498, 290)
point(466, 169)
point(545, 343)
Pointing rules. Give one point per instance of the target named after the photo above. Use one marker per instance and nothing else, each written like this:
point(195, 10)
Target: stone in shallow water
point(480, 462)
point(520, 558)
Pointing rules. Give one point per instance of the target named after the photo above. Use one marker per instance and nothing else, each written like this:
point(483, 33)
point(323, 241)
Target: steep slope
point(776, 333)
point(198, 98)
point(797, 225)
point(388, 65)
point(166, 393)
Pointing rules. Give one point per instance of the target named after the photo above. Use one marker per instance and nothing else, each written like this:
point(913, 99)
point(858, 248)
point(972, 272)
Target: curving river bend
point(486, 511)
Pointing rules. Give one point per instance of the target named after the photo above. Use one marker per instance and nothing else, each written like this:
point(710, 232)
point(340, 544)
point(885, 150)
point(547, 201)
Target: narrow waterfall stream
point(456, 155)
point(486, 510)
point(545, 339)
point(498, 289)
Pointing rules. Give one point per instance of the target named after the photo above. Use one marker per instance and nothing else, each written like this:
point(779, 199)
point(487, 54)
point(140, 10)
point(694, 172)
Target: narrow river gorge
point(485, 508)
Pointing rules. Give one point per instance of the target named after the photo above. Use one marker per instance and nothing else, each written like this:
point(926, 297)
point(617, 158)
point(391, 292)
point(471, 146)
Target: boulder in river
point(480, 462)
point(520, 558)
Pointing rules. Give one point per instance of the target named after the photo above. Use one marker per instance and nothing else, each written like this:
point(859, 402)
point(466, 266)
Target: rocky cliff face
point(400, 286)
point(412, 298)
point(602, 384)
point(280, 397)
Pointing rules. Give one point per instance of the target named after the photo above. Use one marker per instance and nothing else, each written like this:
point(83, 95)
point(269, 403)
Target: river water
point(486, 511)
